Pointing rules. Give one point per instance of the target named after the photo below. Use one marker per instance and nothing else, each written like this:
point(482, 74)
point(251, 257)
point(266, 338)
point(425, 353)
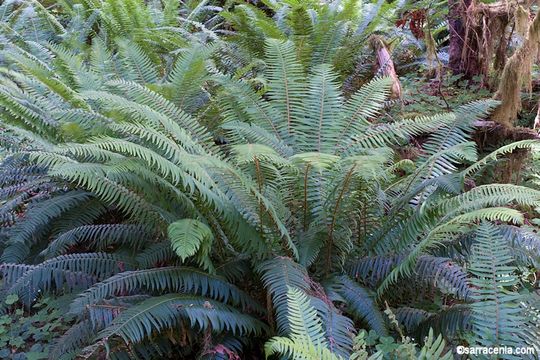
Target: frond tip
point(189, 237)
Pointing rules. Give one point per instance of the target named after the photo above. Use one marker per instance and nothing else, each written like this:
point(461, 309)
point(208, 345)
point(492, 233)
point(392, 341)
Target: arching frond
point(99, 237)
point(360, 304)
point(429, 270)
point(74, 271)
point(164, 279)
point(163, 312)
point(39, 216)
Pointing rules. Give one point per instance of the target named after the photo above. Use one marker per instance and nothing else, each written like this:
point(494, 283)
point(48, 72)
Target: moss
point(516, 75)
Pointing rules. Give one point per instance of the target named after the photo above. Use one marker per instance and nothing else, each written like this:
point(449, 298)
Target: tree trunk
point(477, 32)
point(456, 17)
point(516, 76)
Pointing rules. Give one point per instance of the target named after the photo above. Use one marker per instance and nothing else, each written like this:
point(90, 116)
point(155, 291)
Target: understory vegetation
point(281, 179)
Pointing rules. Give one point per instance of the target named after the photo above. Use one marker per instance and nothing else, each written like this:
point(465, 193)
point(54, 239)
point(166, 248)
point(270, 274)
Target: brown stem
point(305, 196)
point(346, 182)
point(260, 184)
point(270, 308)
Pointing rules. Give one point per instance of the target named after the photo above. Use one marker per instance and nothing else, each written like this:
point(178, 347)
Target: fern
point(273, 273)
point(285, 83)
point(72, 272)
point(138, 65)
point(160, 252)
point(306, 340)
point(429, 270)
point(79, 335)
point(360, 303)
point(449, 322)
point(188, 76)
point(189, 237)
point(162, 312)
point(177, 279)
point(99, 237)
point(153, 136)
point(39, 216)
point(495, 316)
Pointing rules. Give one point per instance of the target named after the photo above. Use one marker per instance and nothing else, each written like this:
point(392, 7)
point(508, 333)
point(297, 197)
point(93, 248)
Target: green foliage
point(361, 305)
point(196, 185)
point(278, 275)
point(162, 312)
point(33, 334)
point(306, 340)
point(320, 32)
point(190, 237)
point(386, 348)
point(496, 313)
point(368, 346)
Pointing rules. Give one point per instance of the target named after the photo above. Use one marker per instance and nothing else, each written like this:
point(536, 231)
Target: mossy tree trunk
point(477, 35)
point(517, 75)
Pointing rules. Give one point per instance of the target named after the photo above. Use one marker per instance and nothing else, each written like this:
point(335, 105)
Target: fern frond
point(503, 150)
point(491, 195)
point(189, 237)
point(448, 321)
point(158, 313)
point(188, 75)
point(278, 275)
point(38, 217)
point(525, 243)
point(73, 339)
point(74, 271)
point(360, 304)
point(164, 279)
point(433, 271)
point(495, 315)
point(434, 348)
point(307, 337)
point(298, 350)
point(259, 112)
point(285, 82)
point(365, 103)
point(338, 328)
point(322, 104)
point(160, 252)
point(303, 318)
point(99, 237)
point(137, 64)
point(141, 95)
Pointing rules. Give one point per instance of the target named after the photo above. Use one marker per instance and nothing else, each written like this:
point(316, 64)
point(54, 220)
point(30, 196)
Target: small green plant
point(371, 346)
point(29, 334)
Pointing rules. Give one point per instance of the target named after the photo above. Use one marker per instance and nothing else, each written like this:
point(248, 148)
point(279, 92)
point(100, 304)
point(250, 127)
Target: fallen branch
point(498, 132)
